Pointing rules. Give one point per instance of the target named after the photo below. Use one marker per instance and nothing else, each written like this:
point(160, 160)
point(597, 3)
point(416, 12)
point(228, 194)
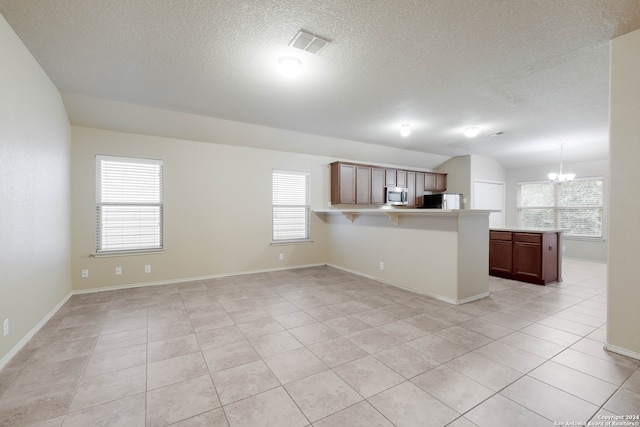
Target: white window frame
point(280, 234)
point(557, 209)
point(152, 201)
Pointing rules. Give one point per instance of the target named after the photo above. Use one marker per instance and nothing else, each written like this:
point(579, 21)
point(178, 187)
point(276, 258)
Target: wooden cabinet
point(377, 186)
point(524, 256)
point(500, 253)
point(435, 182)
point(343, 183)
point(363, 185)
point(401, 179)
point(390, 178)
point(419, 188)
point(411, 188)
point(359, 184)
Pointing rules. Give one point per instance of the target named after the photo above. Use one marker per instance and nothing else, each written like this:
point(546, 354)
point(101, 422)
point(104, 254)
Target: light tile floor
point(318, 346)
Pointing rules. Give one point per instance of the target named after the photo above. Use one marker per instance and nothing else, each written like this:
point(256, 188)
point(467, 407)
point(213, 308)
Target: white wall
point(623, 331)
point(458, 170)
point(217, 209)
point(34, 193)
point(595, 250)
point(463, 171)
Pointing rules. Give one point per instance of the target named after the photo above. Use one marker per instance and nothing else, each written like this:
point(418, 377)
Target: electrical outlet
point(281, 257)
point(118, 271)
point(381, 265)
point(563, 247)
point(147, 269)
point(85, 274)
point(5, 327)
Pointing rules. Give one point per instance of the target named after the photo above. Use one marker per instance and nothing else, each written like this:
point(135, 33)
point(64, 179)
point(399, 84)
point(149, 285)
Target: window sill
point(291, 242)
point(584, 238)
point(126, 253)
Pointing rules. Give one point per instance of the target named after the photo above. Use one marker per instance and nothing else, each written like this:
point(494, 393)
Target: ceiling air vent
point(308, 42)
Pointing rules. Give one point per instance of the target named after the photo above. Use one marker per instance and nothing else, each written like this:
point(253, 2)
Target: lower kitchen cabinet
point(525, 256)
point(501, 253)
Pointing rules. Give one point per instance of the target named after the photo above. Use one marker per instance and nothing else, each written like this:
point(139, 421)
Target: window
point(291, 206)
point(128, 204)
point(575, 205)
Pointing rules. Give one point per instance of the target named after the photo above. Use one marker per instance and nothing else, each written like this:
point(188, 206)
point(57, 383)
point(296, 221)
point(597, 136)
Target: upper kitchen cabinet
point(390, 178)
point(363, 185)
point(435, 182)
point(343, 183)
point(359, 184)
point(411, 188)
point(395, 178)
point(377, 186)
point(420, 188)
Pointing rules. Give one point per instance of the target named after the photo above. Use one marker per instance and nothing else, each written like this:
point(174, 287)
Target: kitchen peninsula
point(442, 253)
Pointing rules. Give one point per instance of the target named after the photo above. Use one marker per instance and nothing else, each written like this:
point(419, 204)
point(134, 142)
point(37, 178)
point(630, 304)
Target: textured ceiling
point(536, 70)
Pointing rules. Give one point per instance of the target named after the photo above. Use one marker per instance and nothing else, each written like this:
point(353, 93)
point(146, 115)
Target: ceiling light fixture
point(561, 177)
point(405, 129)
point(471, 132)
point(290, 66)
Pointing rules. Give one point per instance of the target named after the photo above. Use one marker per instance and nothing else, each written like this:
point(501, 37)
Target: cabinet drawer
point(527, 237)
point(500, 235)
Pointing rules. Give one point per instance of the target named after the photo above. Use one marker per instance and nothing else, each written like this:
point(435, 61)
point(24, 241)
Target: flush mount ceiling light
point(471, 132)
point(405, 129)
point(561, 177)
point(289, 66)
point(308, 42)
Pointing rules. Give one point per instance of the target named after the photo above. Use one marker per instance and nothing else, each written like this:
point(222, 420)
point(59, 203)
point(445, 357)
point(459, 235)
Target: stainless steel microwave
point(396, 196)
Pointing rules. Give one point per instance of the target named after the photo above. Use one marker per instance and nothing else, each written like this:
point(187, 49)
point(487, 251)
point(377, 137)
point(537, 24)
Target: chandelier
point(561, 177)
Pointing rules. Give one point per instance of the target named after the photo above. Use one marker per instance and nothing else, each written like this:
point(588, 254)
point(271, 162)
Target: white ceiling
point(536, 70)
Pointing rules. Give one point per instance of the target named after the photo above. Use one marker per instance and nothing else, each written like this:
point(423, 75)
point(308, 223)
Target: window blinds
point(291, 205)
point(129, 205)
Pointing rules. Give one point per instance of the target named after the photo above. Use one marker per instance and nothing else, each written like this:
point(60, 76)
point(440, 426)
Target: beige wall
point(458, 170)
point(463, 171)
point(217, 212)
point(623, 327)
point(34, 193)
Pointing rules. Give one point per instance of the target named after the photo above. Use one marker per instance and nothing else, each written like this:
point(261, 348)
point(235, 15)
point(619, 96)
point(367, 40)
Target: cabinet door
point(390, 177)
point(500, 257)
point(363, 185)
point(411, 188)
point(377, 186)
point(419, 188)
point(343, 183)
point(430, 182)
point(527, 261)
point(441, 182)
point(401, 178)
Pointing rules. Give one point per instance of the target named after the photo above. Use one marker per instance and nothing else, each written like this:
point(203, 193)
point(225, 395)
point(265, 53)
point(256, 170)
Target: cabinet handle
point(550, 248)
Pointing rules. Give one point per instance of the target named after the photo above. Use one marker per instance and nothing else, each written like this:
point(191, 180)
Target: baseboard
point(473, 298)
point(16, 348)
point(189, 279)
point(417, 291)
point(622, 351)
